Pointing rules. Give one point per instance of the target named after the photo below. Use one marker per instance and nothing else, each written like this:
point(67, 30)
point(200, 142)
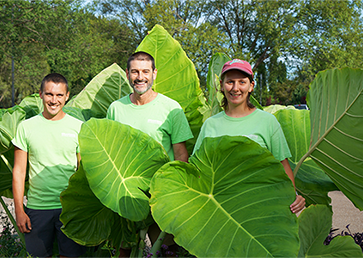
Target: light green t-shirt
point(163, 119)
point(260, 126)
point(52, 148)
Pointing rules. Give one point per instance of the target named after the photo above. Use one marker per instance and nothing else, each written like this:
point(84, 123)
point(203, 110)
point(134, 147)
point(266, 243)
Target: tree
point(56, 36)
point(186, 21)
point(332, 36)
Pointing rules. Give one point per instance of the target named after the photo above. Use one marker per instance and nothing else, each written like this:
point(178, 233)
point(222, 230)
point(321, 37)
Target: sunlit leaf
point(109, 85)
point(9, 122)
point(231, 200)
point(311, 181)
point(119, 162)
point(33, 105)
point(336, 113)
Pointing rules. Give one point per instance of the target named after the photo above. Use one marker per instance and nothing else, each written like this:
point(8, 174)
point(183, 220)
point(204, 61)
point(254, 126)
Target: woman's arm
point(299, 202)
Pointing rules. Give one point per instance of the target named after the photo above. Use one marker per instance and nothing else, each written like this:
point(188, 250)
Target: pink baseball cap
point(237, 64)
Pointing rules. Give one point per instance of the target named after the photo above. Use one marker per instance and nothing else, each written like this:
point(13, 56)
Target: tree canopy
point(286, 42)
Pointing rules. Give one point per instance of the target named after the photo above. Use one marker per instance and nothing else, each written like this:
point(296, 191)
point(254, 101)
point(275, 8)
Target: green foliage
point(109, 85)
point(233, 202)
point(32, 105)
point(119, 171)
point(310, 180)
point(88, 223)
point(56, 36)
point(335, 100)
point(8, 124)
point(314, 226)
point(333, 39)
point(10, 244)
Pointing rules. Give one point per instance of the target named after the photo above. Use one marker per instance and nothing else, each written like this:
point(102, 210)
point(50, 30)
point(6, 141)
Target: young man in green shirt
point(49, 141)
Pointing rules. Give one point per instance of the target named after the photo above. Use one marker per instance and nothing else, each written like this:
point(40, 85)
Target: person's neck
point(143, 99)
point(239, 111)
point(57, 117)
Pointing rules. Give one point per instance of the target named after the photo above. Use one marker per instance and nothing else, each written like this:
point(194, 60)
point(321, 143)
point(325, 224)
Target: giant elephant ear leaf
point(9, 122)
point(314, 225)
point(109, 85)
point(336, 113)
point(85, 219)
point(177, 77)
point(310, 179)
point(231, 200)
point(214, 73)
point(6, 169)
point(119, 162)
point(33, 105)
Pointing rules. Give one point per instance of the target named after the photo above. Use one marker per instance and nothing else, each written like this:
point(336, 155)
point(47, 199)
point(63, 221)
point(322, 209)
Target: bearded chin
point(143, 91)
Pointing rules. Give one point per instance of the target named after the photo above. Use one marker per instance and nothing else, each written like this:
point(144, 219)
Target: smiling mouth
point(235, 95)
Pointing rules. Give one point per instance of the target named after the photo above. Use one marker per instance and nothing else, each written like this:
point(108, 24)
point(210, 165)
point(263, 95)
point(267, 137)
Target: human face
point(236, 87)
point(54, 97)
point(141, 76)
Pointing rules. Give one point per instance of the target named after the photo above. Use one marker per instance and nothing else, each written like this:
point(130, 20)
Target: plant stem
point(157, 245)
point(21, 235)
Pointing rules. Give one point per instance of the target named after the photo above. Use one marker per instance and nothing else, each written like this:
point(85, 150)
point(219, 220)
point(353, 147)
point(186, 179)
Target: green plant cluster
point(10, 244)
point(217, 204)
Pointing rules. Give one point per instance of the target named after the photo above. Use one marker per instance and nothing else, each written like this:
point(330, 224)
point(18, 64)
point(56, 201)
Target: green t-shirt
point(52, 148)
point(163, 119)
point(260, 126)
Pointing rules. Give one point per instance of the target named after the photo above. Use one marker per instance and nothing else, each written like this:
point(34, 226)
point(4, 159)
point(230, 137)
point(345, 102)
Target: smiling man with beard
point(153, 113)
point(150, 112)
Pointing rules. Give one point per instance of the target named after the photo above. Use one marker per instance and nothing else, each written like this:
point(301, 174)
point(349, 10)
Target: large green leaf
point(310, 179)
point(314, 225)
point(33, 105)
point(81, 114)
point(119, 162)
point(214, 73)
point(109, 85)
point(85, 219)
point(336, 103)
point(177, 77)
point(232, 200)
point(6, 169)
point(8, 124)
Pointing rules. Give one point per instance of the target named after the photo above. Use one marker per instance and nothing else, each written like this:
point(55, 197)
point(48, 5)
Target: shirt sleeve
point(20, 138)
point(279, 146)
point(180, 127)
point(109, 113)
point(200, 138)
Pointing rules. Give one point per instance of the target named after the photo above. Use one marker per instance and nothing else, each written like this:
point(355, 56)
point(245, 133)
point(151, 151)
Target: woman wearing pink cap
point(240, 117)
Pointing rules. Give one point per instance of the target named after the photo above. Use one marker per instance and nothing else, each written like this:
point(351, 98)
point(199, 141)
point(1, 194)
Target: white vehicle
point(301, 106)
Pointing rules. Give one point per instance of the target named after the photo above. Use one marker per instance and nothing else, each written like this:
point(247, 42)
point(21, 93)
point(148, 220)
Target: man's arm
point(299, 202)
point(19, 172)
point(78, 159)
point(180, 151)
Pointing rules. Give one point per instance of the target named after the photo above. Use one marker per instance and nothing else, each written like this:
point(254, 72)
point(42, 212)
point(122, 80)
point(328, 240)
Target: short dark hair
point(224, 103)
point(143, 56)
point(53, 77)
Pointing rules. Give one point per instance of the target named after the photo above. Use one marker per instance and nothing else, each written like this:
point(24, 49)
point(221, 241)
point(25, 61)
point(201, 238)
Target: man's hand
point(180, 152)
point(23, 222)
